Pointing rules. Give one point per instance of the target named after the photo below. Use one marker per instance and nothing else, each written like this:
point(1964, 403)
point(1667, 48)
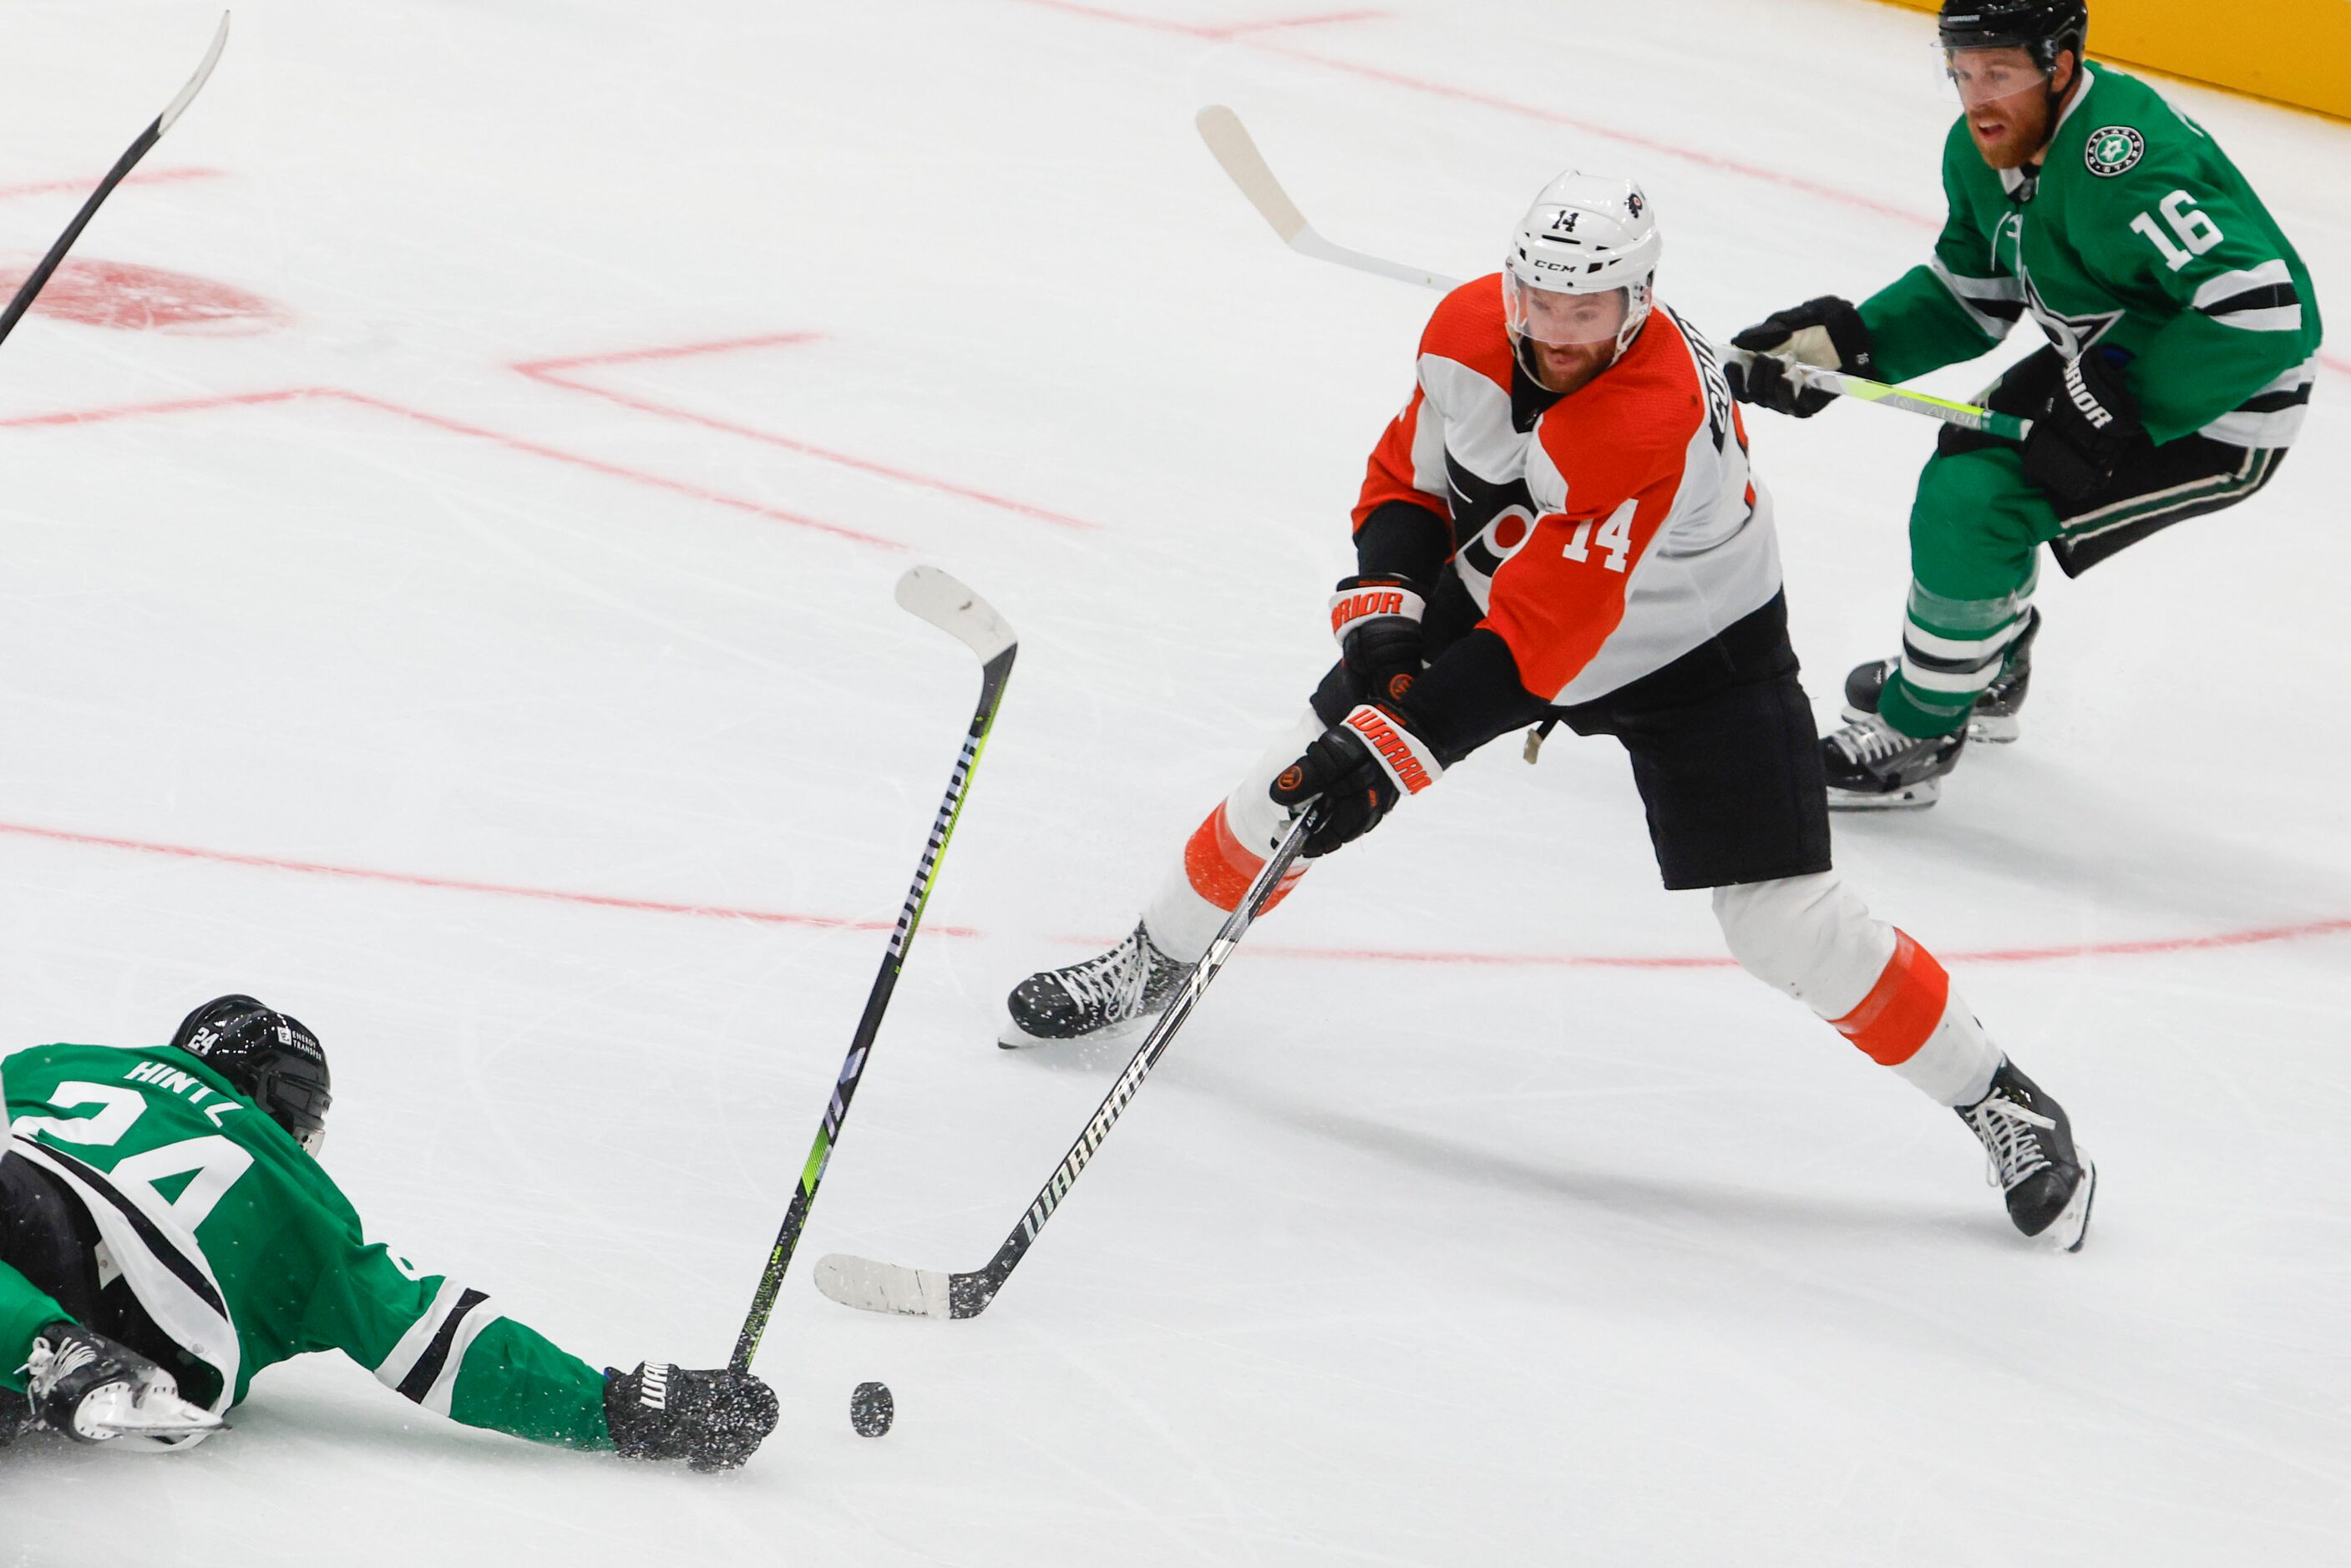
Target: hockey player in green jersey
point(166, 1232)
point(2183, 338)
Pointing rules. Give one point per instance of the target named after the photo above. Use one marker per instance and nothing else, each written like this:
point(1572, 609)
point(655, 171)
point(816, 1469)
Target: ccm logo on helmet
point(1401, 759)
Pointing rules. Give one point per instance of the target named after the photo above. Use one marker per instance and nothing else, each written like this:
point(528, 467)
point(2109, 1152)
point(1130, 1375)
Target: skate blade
point(2071, 1227)
point(1911, 798)
point(1012, 1037)
point(1993, 729)
point(1984, 729)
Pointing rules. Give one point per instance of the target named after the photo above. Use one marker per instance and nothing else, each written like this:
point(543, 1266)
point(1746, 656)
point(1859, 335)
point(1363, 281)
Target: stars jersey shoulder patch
point(2113, 150)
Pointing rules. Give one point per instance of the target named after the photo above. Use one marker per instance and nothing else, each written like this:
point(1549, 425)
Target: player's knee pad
point(1811, 937)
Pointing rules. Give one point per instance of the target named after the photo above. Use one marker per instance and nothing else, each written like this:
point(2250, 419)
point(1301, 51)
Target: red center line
point(2132, 948)
point(456, 427)
point(144, 177)
point(463, 884)
point(2125, 949)
point(548, 371)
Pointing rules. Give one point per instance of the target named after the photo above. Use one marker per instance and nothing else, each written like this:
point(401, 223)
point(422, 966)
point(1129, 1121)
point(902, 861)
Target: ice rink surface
point(451, 510)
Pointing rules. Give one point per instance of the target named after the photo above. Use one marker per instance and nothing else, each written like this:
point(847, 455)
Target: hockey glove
point(93, 1391)
point(2091, 419)
point(1827, 332)
point(1359, 767)
point(712, 1420)
point(1377, 622)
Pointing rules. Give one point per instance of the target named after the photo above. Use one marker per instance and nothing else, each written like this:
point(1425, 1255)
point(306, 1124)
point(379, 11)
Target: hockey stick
point(1966, 415)
point(28, 290)
point(873, 1286)
point(1229, 140)
point(936, 597)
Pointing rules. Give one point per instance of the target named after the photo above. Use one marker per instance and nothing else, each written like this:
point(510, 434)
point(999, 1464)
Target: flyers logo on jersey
point(2112, 149)
point(1396, 752)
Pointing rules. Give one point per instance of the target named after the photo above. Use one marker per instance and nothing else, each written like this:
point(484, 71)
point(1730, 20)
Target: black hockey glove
point(712, 1420)
point(2090, 421)
point(1827, 332)
point(1360, 767)
point(93, 1391)
point(1377, 622)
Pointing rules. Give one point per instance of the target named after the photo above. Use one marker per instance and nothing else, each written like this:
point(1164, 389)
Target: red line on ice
point(460, 884)
point(147, 177)
point(2249, 937)
point(457, 427)
point(1219, 32)
point(548, 371)
point(2125, 949)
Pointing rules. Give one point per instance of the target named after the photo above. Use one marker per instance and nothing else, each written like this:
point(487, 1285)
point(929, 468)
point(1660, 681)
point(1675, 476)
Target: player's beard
point(2019, 124)
point(1568, 368)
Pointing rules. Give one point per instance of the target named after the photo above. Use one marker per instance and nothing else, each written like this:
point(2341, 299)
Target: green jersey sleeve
point(2181, 234)
point(24, 1313)
point(1962, 302)
point(445, 1345)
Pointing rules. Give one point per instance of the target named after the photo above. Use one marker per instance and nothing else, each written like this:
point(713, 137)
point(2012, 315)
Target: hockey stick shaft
point(30, 289)
point(1237, 152)
point(882, 1287)
point(934, 595)
point(1966, 415)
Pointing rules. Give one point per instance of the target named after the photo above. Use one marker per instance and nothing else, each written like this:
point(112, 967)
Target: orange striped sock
point(1903, 1010)
point(1221, 867)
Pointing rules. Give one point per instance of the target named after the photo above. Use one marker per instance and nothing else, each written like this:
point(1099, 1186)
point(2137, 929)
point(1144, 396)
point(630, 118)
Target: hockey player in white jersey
point(1562, 524)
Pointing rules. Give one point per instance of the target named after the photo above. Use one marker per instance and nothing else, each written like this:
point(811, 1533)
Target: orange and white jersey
point(1602, 535)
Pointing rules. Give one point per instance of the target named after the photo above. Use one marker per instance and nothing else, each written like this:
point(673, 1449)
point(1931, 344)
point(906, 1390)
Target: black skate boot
point(2028, 1154)
point(1993, 720)
point(1873, 766)
point(1132, 982)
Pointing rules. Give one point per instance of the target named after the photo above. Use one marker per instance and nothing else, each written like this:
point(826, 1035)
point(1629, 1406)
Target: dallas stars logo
point(2112, 149)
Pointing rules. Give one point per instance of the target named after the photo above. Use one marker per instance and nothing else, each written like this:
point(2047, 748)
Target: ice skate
point(2028, 1154)
point(1993, 720)
point(1873, 766)
point(1104, 996)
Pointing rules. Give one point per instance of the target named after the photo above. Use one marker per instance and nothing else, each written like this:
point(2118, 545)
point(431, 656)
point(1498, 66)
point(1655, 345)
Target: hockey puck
point(871, 1409)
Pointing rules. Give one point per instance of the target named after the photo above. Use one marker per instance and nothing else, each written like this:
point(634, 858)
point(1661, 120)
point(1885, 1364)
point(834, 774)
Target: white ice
point(1478, 1255)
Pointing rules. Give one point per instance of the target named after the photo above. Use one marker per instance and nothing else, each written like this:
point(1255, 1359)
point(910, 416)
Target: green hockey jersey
point(2137, 233)
point(243, 1250)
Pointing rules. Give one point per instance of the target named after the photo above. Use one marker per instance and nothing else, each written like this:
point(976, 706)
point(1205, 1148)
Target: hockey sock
point(1915, 1023)
point(1813, 938)
point(1951, 650)
point(1225, 853)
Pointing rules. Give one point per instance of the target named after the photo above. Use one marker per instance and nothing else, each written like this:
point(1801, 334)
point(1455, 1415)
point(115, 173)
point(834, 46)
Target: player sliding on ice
point(166, 1232)
point(2183, 338)
point(1562, 520)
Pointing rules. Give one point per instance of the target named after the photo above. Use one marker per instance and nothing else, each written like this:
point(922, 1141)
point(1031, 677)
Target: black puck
point(871, 1409)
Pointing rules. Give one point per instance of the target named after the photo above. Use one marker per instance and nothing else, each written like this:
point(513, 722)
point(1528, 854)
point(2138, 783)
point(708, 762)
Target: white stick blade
point(869, 1286)
point(1229, 140)
point(945, 603)
point(195, 83)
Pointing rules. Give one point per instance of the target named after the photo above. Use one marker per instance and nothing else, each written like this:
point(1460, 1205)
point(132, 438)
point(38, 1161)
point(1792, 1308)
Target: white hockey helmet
point(1586, 234)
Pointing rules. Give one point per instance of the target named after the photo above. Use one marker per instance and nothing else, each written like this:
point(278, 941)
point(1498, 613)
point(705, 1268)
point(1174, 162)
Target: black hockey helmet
point(266, 1057)
point(2045, 28)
